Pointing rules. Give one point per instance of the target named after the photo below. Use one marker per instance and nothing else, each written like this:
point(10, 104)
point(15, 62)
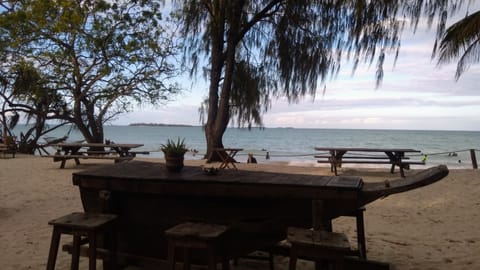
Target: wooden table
point(257, 206)
point(227, 155)
point(116, 151)
point(394, 156)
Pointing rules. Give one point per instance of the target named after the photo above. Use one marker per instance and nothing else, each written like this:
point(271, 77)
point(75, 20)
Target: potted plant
point(174, 152)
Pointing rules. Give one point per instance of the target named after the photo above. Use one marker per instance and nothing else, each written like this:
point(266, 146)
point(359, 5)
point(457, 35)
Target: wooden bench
point(403, 164)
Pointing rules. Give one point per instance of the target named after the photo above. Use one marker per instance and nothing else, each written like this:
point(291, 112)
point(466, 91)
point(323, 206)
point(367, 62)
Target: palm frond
point(461, 40)
point(470, 56)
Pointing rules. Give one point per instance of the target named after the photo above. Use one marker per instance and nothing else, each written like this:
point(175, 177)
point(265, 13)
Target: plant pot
point(174, 163)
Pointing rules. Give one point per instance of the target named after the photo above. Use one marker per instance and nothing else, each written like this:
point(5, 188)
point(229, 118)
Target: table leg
point(227, 159)
point(231, 159)
point(224, 157)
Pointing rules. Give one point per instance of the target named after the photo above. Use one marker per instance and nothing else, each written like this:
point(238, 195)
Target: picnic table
point(256, 206)
point(395, 156)
point(76, 151)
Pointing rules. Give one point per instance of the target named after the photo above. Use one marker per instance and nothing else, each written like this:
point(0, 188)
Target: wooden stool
point(361, 251)
point(78, 225)
point(317, 245)
point(196, 235)
point(361, 246)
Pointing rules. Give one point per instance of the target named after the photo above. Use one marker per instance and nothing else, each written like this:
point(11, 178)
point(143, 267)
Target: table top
point(228, 149)
point(150, 177)
point(120, 145)
point(360, 149)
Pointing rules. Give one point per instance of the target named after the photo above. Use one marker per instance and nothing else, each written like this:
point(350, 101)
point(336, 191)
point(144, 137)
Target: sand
point(434, 227)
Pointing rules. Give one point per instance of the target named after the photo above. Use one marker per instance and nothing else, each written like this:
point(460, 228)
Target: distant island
point(158, 125)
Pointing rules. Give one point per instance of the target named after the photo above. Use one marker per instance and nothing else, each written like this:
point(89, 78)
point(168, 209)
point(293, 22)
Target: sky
point(415, 94)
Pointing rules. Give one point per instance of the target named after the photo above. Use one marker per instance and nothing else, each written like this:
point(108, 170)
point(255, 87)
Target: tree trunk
point(219, 109)
point(213, 128)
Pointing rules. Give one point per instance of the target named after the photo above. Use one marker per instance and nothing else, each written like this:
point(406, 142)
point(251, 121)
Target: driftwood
point(373, 191)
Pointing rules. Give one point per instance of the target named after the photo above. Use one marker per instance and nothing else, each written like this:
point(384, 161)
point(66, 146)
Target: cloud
point(416, 93)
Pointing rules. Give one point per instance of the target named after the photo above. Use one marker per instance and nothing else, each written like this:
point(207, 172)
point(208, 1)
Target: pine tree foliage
point(254, 51)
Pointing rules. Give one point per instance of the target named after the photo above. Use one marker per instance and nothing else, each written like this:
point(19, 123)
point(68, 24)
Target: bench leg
point(171, 255)
point(92, 251)
point(111, 263)
point(52, 254)
point(212, 265)
point(362, 249)
point(75, 252)
point(186, 258)
point(271, 261)
point(292, 265)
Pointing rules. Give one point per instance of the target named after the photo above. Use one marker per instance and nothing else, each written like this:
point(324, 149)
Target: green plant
point(173, 147)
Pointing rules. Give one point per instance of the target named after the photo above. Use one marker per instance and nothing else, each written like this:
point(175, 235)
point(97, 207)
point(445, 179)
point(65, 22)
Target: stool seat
point(80, 224)
point(197, 230)
point(317, 245)
point(83, 221)
point(192, 235)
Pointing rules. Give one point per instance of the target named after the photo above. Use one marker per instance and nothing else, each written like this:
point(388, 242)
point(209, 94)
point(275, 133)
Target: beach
point(433, 227)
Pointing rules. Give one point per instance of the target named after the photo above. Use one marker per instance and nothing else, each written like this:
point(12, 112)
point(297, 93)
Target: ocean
point(296, 146)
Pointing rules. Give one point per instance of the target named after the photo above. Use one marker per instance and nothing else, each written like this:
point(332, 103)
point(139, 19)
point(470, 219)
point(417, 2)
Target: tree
point(101, 57)
point(258, 50)
point(461, 40)
point(25, 92)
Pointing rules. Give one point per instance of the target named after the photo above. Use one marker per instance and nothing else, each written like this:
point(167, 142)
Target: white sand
point(434, 227)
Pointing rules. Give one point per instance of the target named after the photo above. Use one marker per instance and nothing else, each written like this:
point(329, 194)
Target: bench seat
point(64, 158)
point(403, 164)
point(373, 162)
point(60, 158)
point(359, 157)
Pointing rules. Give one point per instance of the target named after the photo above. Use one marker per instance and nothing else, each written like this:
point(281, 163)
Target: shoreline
point(433, 227)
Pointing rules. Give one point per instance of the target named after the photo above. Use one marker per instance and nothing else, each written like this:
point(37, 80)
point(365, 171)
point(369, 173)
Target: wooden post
point(474, 158)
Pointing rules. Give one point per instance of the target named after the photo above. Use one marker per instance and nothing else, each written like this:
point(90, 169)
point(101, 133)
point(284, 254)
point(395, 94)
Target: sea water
point(294, 145)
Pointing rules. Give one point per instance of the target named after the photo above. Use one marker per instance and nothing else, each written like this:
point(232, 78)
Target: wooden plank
point(86, 221)
point(359, 157)
point(345, 183)
point(119, 145)
point(413, 162)
point(140, 152)
point(67, 157)
point(354, 149)
point(153, 178)
point(357, 161)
